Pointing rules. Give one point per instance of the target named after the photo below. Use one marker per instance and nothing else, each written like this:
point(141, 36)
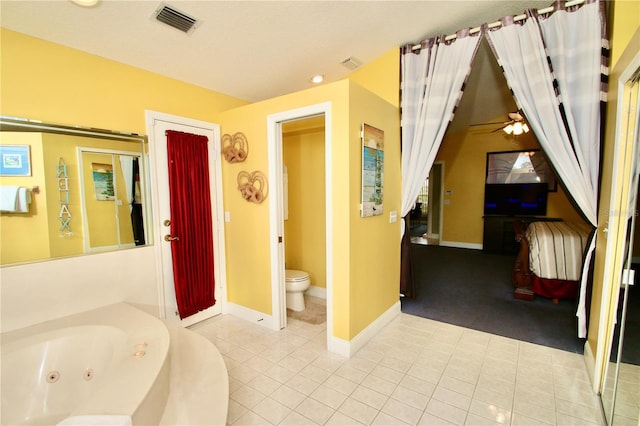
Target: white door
point(157, 125)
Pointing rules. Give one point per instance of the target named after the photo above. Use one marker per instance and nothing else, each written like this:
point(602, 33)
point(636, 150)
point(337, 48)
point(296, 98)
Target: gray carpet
point(473, 289)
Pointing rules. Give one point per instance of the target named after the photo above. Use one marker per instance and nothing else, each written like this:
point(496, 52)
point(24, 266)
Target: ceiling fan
point(515, 125)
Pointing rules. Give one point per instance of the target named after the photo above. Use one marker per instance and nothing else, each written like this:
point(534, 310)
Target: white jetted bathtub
point(107, 366)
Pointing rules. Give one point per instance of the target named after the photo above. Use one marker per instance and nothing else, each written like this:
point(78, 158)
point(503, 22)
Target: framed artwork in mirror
point(15, 160)
point(526, 166)
point(103, 181)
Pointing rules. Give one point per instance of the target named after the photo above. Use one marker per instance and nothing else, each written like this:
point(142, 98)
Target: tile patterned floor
point(627, 408)
point(415, 372)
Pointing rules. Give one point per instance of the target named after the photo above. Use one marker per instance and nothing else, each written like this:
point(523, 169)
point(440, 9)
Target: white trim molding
point(250, 315)
point(349, 348)
point(319, 292)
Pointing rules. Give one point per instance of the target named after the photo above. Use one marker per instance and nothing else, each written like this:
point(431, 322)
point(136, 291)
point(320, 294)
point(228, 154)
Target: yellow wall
point(626, 19)
point(247, 233)
point(49, 82)
point(464, 155)
point(62, 149)
point(374, 255)
point(53, 83)
point(25, 235)
point(365, 258)
point(381, 76)
point(305, 229)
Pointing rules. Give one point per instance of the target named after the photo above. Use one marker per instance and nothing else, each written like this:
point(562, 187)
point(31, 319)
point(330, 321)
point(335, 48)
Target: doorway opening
point(304, 217)
point(277, 124)
point(426, 217)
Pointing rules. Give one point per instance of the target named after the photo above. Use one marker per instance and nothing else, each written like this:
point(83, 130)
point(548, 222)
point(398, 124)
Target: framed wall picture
point(15, 160)
point(372, 170)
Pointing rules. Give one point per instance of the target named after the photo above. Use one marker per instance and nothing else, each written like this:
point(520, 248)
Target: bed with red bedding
point(549, 262)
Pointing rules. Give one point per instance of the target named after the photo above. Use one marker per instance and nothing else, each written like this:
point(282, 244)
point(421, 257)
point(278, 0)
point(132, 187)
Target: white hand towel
point(8, 198)
point(23, 200)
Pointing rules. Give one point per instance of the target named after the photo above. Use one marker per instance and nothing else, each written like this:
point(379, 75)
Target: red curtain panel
point(191, 224)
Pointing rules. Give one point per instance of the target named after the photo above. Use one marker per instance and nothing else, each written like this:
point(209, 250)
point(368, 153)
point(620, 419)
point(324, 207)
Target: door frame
point(217, 209)
point(437, 205)
point(276, 210)
point(614, 230)
point(80, 151)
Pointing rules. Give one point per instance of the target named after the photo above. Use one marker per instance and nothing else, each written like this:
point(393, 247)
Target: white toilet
point(296, 283)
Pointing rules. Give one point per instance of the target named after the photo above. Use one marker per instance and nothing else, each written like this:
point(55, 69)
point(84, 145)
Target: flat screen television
point(516, 199)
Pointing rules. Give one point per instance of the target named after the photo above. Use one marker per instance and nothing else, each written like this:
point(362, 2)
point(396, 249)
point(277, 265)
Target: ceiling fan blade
point(516, 116)
point(492, 123)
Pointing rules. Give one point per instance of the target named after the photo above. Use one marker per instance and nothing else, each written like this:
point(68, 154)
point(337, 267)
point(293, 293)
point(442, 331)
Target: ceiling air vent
point(350, 63)
point(174, 18)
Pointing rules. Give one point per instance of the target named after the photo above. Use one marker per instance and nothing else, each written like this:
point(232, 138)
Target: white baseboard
point(458, 244)
point(249, 315)
point(348, 349)
point(334, 344)
point(319, 292)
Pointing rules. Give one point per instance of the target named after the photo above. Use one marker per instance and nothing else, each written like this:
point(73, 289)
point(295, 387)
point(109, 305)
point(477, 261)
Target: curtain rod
point(499, 23)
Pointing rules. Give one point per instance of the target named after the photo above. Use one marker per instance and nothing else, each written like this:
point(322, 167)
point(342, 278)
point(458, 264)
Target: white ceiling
point(256, 50)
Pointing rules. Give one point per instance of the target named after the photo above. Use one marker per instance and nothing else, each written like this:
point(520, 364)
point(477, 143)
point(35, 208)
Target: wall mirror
point(69, 191)
point(620, 395)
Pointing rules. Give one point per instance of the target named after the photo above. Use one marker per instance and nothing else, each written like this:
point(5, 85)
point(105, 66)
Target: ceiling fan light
point(517, 129)
point(508, 129)
point(525, 127)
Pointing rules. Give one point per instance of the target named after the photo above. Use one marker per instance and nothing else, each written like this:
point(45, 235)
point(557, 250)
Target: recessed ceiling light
point(85, 3)
point(319, 78)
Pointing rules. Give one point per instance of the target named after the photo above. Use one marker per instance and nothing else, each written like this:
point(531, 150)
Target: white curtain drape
point(553, 66)
point(432, 81)
point(126, 162)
